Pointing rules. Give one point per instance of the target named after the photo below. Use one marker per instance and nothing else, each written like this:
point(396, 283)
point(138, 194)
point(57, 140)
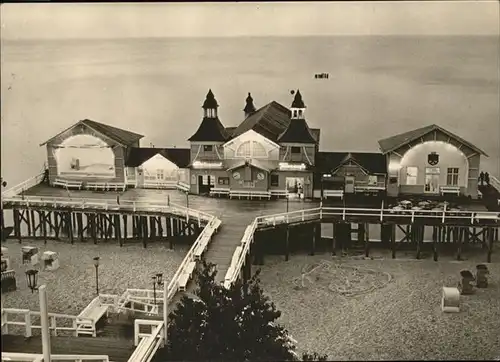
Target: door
point(205, 183)
point(349, 185)
point(431, 180)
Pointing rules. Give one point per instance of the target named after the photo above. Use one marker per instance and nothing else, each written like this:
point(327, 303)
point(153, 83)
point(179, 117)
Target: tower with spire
point(249, 107)
point(207, 141)
point(296, 141)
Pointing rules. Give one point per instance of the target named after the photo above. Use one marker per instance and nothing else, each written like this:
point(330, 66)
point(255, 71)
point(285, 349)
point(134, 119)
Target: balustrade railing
point(34, 357)
point(23, 186)
point(147, 343)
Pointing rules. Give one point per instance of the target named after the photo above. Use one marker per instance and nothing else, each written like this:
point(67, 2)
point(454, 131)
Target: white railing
point(89, 204)
point(319, 213)
point(165, 184)
point(209, 229)
point(147, 296)
point(147, 343)
point(29, 323)
point(182, 186)
point(23, 186)
point(33, 357)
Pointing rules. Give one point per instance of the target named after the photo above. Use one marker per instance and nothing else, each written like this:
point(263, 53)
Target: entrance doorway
point(205, 183)
point(295, 187)
point(431, 180)
point(349, 185)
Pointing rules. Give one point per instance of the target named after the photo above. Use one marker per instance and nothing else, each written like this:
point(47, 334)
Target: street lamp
point(157, 281)
point(96, 264)
point(32, 279)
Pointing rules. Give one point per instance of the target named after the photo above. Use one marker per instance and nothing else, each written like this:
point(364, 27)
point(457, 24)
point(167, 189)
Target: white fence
point(147, 343)
point(23, 186)
point(33, 357)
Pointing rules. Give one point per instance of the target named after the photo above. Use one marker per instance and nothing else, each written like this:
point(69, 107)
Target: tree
point(236, 324)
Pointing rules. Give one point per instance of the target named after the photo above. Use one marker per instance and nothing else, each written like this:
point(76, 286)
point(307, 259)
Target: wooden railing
point(147, 343)
point(29, 324)
point(89, 204)
point(239, 255)
point(33, 357)
point(23, 186)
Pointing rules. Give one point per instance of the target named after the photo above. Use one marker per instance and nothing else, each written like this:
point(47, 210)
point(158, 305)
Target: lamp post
point(157, 281)
point(165, 313)
point(32, 279)
point(187, 199)
point(287, 200)
point(96, 265)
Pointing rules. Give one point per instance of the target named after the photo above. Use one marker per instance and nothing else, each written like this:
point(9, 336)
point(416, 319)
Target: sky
point(125, 20)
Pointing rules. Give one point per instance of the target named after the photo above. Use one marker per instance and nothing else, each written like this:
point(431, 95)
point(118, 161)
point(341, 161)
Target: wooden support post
point(490, 244)
point(118, 229)
point(160, 227)
point(134, 227)
point(419, 240)
point(49, 219)
point(105, 227)
point(144, 230)
point(313, 241)
point(93, 223)
point(70, 227)
point(393, 240)
point(152, 227)
point(361, 234)
point(17, 224)
point(287, 243)
point(125, 228)
point(169, 226)
point(460, 239)
point(367, 239)
point(79, 222)
point(28, 221)
point(33, 223)
point(334, 238)
point(43, 220)
point(435, 232)
point(73, 221)
point(449, 230)
point(175, 227)
point(56, 224)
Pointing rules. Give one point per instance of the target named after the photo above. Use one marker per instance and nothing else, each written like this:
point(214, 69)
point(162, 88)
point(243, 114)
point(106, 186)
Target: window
point(295, 113)
point(160, 174)
point(207, 148)
point(251, 149)
point(275, 180)
point(452, 176)
point(244, 150)
point(300, 112)
point(372, 180)
point(223, 180)
point(411, 175)
point(295, 149)
point(212, 180)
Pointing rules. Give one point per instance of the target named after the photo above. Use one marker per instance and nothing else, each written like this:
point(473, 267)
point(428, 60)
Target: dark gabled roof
point(394, 142)
point(211, 129)
point(229, 131)
point(125, 138)
point(138, 155)
point(297, 132)
point(249, 107)
point(297, 101)
point(270, 121)
point(373, 162)
point(210, 101)
point(315, 132)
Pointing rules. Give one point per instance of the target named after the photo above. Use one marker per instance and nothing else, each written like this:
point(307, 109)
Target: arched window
point(250, 149)
point(244, 150)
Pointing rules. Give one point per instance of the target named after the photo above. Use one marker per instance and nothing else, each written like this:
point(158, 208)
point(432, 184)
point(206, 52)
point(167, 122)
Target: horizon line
point(245, 36)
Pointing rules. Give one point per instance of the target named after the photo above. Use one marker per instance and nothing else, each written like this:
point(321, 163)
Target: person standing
point(487, 178)
point(481, 178)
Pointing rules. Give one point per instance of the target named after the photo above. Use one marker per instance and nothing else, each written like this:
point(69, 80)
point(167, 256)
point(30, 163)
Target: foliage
point(236, 324)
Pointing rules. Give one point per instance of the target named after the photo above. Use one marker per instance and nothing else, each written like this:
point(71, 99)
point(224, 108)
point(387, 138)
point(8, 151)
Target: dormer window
point(207, 148)
point(295, 149)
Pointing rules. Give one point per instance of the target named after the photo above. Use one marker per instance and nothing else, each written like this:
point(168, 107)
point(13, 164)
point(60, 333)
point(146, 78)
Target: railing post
point(343, 213)
point(27, 322)
point(302, 215)
point(412, 216)
point(53, 325)
point(75, 327)
point(136, 332)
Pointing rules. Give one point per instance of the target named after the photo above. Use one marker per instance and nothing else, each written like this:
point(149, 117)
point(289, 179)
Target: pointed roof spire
point(249, 107)
point(210, 101)
point(297, 101)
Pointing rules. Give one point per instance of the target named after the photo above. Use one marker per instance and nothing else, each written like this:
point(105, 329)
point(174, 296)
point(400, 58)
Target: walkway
point(118, 350)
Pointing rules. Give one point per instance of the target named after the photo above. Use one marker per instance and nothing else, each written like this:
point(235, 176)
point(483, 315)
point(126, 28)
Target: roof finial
point(249, 107)
point(297, 101)
point(210, 101)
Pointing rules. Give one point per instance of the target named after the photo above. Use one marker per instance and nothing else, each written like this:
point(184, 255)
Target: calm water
point(378, 86)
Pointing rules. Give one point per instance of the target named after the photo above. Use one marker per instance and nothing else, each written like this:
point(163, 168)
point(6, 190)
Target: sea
point(377, 87)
